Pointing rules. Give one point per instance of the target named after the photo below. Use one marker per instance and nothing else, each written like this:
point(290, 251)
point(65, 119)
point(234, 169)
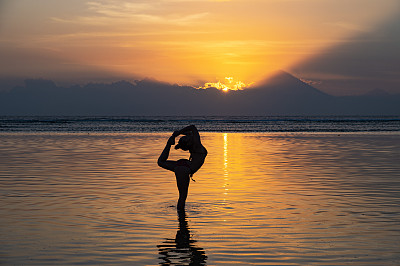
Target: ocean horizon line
point(124, 124)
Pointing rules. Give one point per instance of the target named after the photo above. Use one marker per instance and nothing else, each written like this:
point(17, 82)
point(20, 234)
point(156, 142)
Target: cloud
point(108, 12)
point(228, 83)
point(176, 20)
point(352, 27)
point(198, 1)
point(118, 9)
point(175, 39)
point(19, 63)
point(366, 61)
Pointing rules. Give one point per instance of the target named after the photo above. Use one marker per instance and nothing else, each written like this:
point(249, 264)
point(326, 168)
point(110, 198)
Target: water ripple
point(260, 199)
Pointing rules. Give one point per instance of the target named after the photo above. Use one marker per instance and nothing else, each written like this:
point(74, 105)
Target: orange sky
point(178, 41)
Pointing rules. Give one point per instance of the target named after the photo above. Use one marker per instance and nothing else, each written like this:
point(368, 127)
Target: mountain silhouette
point(284, 83)
point(279, 94)
point(284, 94)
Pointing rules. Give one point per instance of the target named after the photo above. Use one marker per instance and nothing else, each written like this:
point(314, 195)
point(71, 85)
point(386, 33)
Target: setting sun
point(228, 83)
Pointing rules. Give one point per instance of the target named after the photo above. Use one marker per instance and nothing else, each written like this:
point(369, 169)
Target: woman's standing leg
point(182, 181)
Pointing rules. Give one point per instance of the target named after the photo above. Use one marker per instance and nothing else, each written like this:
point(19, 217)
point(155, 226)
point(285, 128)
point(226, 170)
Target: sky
point(339, 46)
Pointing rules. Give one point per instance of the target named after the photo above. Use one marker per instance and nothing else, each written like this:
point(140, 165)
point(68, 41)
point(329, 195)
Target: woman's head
point(185, 143)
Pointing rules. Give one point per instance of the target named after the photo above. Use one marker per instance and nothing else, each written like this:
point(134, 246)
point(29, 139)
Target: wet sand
point(260, 199)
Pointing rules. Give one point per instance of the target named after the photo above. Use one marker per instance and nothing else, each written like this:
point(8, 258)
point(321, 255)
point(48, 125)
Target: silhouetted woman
point(184, 168)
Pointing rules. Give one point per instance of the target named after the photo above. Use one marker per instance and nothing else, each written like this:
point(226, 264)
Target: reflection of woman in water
point(181, 250)
point(183, 168)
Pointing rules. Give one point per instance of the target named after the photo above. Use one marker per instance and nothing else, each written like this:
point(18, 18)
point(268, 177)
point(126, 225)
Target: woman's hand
point(171, 140)
point(176, 133)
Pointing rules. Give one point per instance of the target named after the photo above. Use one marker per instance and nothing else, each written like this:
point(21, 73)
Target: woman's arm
point(185, 130)
point(162, 160)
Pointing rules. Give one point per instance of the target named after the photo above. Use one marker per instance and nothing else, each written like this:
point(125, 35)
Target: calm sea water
point(260, 199)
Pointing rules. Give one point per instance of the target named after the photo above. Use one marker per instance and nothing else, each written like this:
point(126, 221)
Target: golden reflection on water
point(226, 171)
point(259, 199)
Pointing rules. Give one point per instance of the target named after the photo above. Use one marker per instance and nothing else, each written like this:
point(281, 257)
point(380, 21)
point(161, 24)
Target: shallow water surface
point(260, 199)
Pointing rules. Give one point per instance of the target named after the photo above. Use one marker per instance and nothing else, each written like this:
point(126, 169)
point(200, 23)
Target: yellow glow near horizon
point(229, 84)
